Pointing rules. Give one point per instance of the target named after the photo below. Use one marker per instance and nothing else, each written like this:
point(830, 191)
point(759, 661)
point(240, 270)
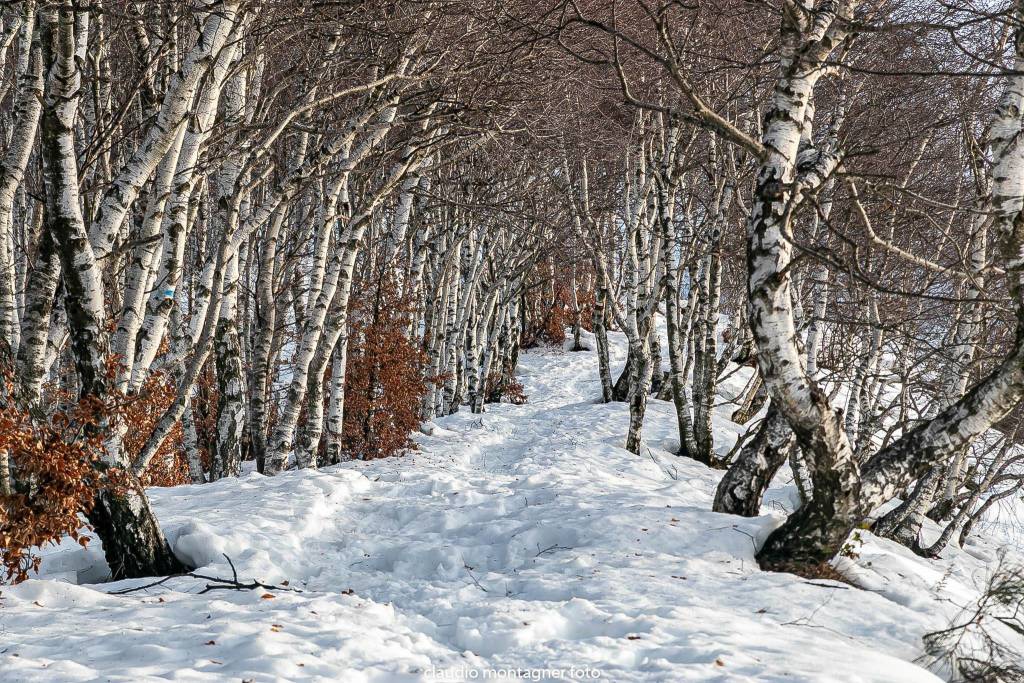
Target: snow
point(522, 544)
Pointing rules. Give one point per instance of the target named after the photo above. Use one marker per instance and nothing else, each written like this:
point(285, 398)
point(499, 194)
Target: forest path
point(526, 536)
point(523, 538)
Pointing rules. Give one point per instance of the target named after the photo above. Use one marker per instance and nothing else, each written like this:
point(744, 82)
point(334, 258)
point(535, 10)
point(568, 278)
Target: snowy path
point(522, 538)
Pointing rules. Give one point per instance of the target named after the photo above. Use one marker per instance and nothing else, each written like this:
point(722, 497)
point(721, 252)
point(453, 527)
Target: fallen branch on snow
point(219, 583)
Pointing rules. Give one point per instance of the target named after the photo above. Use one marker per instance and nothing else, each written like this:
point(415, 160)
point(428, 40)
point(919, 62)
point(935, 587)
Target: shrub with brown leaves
point(142, 412)
point(384, 376)
point(56, 460)
point(502, 386)
point(57, 476)
point(549, 310)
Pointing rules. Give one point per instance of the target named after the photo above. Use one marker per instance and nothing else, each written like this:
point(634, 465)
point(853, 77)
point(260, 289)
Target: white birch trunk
point(27, 107)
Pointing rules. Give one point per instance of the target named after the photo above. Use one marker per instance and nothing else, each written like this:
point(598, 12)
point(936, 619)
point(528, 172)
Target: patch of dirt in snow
point(522, 538)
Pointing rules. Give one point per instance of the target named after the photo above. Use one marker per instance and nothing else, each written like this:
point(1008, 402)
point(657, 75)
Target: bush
point(546, 319)
point(57, 463)
point(548, 307)
point(501, 386)
point(141, 413)
point(58, 475)
point(384, 376)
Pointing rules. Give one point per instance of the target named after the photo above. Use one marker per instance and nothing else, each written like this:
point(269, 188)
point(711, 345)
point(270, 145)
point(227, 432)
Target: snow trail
point(523, 538)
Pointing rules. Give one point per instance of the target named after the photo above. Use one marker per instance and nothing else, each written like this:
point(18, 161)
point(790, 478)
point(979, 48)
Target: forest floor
point(523, 541)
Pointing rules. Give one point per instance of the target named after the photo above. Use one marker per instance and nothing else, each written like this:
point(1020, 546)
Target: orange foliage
point(204, 414)
point(501, 385)
point(546, 320)
point(58, 471)
point(586, 300)
point(384, 376)
point(141, 412)
point(547, 315)
point(57, 462)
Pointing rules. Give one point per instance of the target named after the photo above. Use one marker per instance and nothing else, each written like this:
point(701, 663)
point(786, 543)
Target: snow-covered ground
point(523, 544)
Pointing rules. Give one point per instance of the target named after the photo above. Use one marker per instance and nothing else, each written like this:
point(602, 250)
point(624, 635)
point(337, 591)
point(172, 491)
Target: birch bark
point(27, 107)
point(132, 540)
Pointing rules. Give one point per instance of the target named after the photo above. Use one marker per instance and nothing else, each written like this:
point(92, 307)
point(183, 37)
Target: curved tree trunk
point(743, 486)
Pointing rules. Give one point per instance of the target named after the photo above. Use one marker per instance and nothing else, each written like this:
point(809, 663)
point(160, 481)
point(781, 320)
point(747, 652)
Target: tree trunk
point(745, 482)
point(132, 541)
point(601, 337)
point(27, 107)
point(640, 380)
point(707, 361)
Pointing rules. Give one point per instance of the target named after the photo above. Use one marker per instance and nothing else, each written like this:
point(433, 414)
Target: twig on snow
point(553, 547)
point(469, 570)
point(218, 583)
